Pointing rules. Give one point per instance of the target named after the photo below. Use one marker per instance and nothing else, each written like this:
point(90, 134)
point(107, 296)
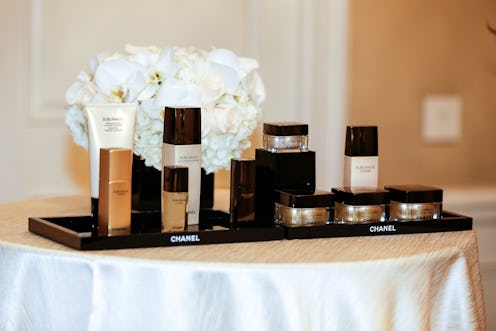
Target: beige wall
point(300, 46)
point(399, 51)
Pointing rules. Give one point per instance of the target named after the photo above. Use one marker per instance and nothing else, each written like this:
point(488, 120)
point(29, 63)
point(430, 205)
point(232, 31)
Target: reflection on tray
point(80, 232)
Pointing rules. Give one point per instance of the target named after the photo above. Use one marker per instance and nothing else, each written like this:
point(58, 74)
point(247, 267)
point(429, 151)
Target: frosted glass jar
point(360, 205)
point(285, 137)
point(415, 202)
point(294, 210)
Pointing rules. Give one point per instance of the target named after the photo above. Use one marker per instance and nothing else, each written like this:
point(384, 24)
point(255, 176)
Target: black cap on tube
point(182, 126)
point(175, 179)
point(361, 141)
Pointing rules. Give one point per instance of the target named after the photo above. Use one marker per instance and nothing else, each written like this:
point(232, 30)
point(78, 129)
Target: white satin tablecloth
point(404, 282)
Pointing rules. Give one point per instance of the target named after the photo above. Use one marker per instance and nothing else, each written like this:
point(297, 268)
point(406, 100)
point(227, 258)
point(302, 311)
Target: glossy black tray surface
point(448, 222)
point(78, 232)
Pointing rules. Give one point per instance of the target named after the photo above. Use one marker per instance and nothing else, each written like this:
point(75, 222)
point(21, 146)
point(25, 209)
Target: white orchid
point(227, 88)
point(121, 80)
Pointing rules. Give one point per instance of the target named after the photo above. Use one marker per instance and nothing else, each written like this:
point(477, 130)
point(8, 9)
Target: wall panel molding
point(40, 110)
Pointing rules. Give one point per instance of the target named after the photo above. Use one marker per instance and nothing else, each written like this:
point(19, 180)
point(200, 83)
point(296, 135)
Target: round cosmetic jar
point(357, 205)
point(292, 209)
point(415, 202)
point(285, 137)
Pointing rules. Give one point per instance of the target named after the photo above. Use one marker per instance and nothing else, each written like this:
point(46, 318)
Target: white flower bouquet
point(227, 88)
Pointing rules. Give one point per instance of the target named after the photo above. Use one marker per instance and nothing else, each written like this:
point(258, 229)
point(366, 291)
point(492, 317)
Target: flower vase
point(146, 186)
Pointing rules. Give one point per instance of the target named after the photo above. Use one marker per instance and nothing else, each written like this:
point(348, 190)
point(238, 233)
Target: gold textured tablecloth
point(307, 254)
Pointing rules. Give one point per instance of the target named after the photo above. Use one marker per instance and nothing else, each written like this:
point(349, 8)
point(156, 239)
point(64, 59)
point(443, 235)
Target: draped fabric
point(404, 282)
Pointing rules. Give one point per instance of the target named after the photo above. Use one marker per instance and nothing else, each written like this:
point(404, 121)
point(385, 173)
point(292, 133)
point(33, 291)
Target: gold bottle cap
point(115, 163)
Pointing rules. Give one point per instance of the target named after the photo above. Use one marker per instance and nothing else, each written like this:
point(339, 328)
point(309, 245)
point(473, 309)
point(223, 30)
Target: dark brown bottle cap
point(361, 141)
point(285, 129)
point(182, 126)
point(242, 172)
point(175, 179)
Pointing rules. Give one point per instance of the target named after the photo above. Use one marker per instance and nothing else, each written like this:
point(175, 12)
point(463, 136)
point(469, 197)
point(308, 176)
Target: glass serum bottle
point(174, 198)
point(182, 147)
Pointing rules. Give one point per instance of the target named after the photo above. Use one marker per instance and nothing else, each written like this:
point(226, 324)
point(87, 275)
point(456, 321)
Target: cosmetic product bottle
point(242, 192)
point(285, 137)
point(109, 126)
point(290, 168)
point(415, 202)
point(304, 209)
point(356, 205)
point(361, 161)
point(207, 190)
point(182, 147)
point(114, 210)
point(174, 198)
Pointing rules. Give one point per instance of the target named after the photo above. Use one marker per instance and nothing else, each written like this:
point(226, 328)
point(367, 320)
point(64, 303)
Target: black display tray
point(448, 222)
point(78, 232)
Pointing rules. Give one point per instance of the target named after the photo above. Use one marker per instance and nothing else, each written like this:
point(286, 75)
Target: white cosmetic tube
point(109, 126)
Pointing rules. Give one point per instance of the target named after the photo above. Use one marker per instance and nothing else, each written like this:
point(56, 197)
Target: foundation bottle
point(174, 198)
point(182, 147)
point(114, 210)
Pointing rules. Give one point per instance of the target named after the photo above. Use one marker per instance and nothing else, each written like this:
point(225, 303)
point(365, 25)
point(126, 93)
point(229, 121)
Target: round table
point(401, 282)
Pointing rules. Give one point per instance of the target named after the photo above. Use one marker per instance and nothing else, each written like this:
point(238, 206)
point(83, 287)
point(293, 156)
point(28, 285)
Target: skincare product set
point(272, 197)
point(285, 181)
point(359, 200)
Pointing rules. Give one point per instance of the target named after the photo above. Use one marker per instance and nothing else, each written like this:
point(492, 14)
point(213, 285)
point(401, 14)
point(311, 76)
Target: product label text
point(382, 228)
point(184, 238)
